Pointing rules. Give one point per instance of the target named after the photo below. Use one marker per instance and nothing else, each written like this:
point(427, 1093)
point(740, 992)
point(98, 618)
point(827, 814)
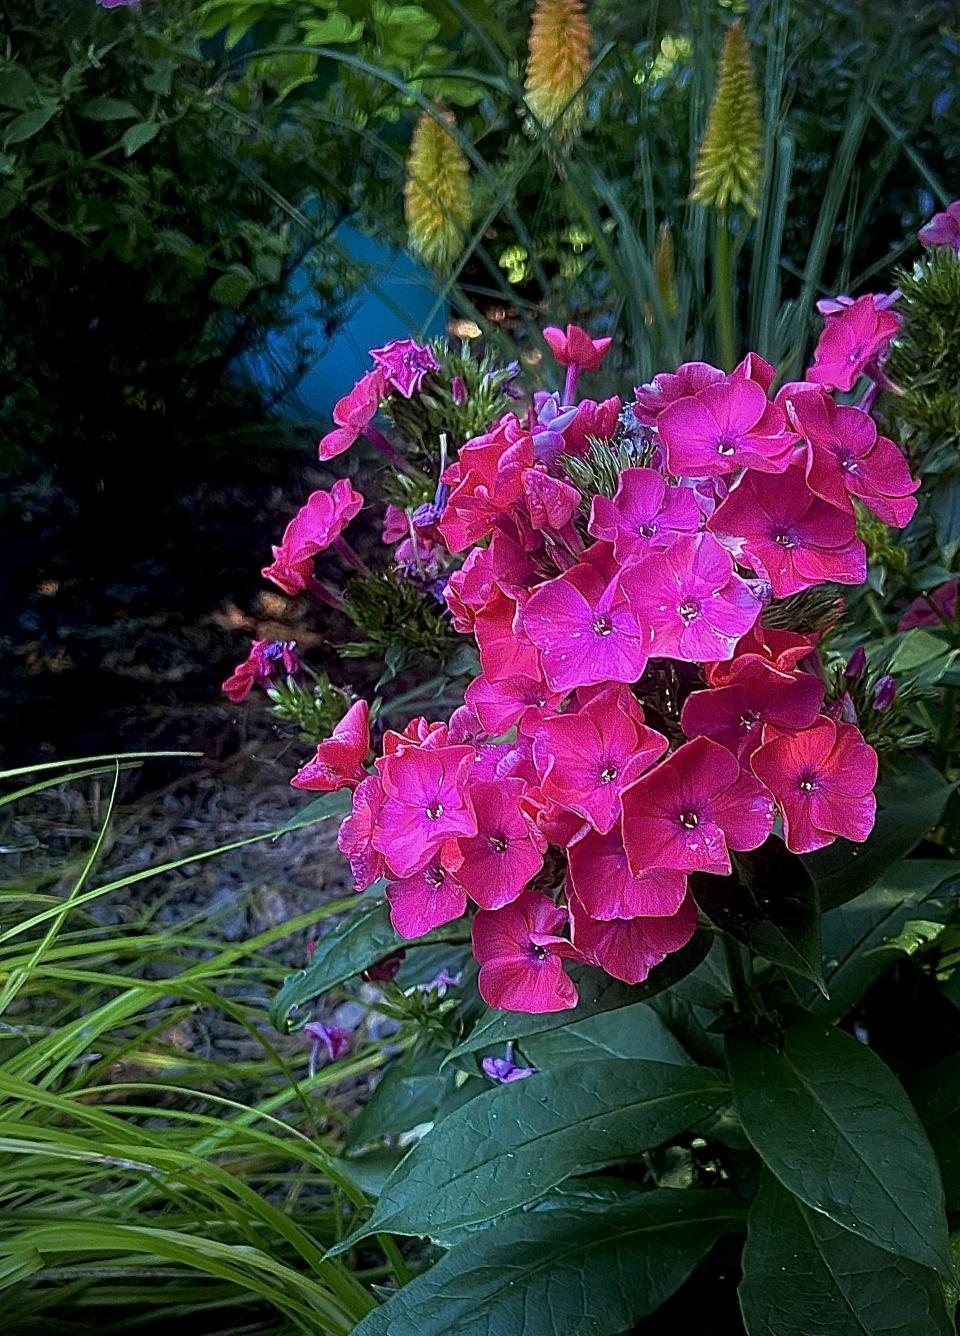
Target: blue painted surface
point(394, 305)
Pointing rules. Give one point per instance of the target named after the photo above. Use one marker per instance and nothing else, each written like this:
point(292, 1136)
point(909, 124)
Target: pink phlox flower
point(692, 809)
point(643, 514)
point(355, 837)
point(558, 825)
point(586, 629)
point(396, 526)
point(504, 1070)
point(404, 364)
point(338, 763)
point(650, 400)
point(353, 414)
point(755, 368)
point(782, 650)
point(520, 950)
point(920, 613)
point(430, 896)
point(314, 528)
point(692, 598)
point(757, 694)
point(793, 538)
point(465, 728)
point(629, 949)
point(943, 228)
point(851, 340)
point(420, 732)
point(551, 502)
point(726, 426)
point(427, 803)
point(506, 649)
point(486, 482)
point(835, 305)
point(507, 850)
point(606, 887)
point(822, 780)
point(846, 457)
point(586, 759)
point(593, 421)
point(500, 705)
point(574, 347)
point(260, 667)
point(470, 588)
point(330, 1040)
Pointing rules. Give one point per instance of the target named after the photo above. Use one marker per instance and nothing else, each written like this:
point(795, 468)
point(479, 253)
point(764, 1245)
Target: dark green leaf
point(803, 1274)
point(910, 798)
point(598, 993)
point(512, 1144)
point(409, 1093)
point(109, 109)
point(862, 939)
point(770, 905)
point(17, 89)
point(322, 808)
point(28, 123)
point(833, 1124)
point(945, 508)
point(562, 1272)
point(937, 1099)
point(233, 287)
point(139, 135)
point(628, 1032)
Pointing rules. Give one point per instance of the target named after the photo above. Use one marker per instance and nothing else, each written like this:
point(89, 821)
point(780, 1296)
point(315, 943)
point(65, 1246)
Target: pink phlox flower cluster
point(399, 366)
point(314, 528)
point(854, 341)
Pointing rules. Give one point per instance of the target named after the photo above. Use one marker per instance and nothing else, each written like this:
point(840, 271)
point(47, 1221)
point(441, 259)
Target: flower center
point(785, 539)
point(434, 876)
point(538, 952)
point(647, 530)
point(602, 626)
point(435, 812)
point(689, 609)
point(749, 720)
point(689, 820)
point(498, 844)
point(608, 774)
point(807, 784)
point(726, 446)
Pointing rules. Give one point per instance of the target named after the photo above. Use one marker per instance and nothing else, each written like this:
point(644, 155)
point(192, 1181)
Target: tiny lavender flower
point(504, 1070)
point(332, 1040)
point(884, 693)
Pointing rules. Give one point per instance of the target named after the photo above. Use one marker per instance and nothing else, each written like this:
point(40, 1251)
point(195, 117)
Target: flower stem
point(723, 293)
point(343, 548)
point(570, 384)
point(393, 456)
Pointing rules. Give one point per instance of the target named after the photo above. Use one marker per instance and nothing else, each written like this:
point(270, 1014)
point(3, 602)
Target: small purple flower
point(943, 229)
point(842, 710)
point(548, 420)
point(504, 1070)
point(404, 364)
point(441, 983)
point(856, 663)
point(458, 391)
point(119, 4)
point(285, 652)
point(884, 693)
point(882, 301)
point(330, 1039)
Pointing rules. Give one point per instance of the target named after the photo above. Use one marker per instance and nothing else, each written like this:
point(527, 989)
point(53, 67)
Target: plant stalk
point(724, 293)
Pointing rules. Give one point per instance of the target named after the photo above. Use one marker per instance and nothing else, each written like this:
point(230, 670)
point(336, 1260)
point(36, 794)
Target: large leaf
point(629, 1032)
point(409, 1093)
point(691, 1007)
point(509, 1146)
point(562, 1272)
point(363, 938)
point(598, 993)
point(937, 1098)
point(910, 799)
point(771, 905)
point(802, 1274)
point(833, 1124)
point(862, 939)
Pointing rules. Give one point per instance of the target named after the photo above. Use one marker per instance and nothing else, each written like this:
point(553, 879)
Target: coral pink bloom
point(593, 421)
point(690, 595)
point(507, 850)
point(520, 951)
point(315, 527)
point(851, 340)
point(643, 514)
point(353, 414)
point(576, 348)
point(354, 839)
point(629, 949)
point(432, 896)
point(783, 650)
point(822, 780)
point(920, 612)
point(688, 379)
point(724, 427)
point(486, 482)
point(793, 538)
point(426, 804)
point(695, 805)
point(470, 588)
point(338, 763)
point(585, 760)
point(420, 732)
point(758, 694)
point(403, 364)
point(586, 630)
point(846, 456)
point(505, 647)
point(943, 228)
point(511, 700)
point(604, 884)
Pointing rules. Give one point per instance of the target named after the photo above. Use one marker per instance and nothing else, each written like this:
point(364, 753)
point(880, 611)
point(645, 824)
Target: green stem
point(724, 294)
point(736, 973)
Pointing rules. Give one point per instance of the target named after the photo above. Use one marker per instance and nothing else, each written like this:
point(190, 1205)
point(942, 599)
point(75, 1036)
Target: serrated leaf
point(834, 1125)
point(28, 123)
point(108, 109)
point(629, 1032)
point(598, 993)
point(138, 136)
point(512, 1144)
point(563, 1272)
point(910, 798)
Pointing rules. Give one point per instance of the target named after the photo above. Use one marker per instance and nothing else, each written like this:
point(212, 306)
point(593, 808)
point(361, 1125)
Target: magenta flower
point(551, 502)
point(586, 759)
point(943, 228)
point(668, 386)
point(822, 780)
point(511, 700)
point(757, 694)
point(426, 804)
point(851, 340)
point(606, 887)
point(693, 600)
point(586, 630)
point(692, 809)
point(506, 650)
point(486, 483)
point(576, 348)
point(353, 414)
point(725, 426)
point(260, 667)
point(592, 421)
point(338, 763)
point(629, 949)
point(791, 537)
point(355, 837)
point(331, 1040)
point(932, 609)
point(429, 897)
point(520, 951)
point(644, 514)
point(386, 969)
point(314, 528)
point(507, 850)
point(404, 364)
point(504, 1070)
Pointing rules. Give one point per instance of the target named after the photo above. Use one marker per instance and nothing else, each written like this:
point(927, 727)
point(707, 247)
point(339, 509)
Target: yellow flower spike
point(728, 167)
point(558, 64)
point(437, 193)
point(664, 270)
